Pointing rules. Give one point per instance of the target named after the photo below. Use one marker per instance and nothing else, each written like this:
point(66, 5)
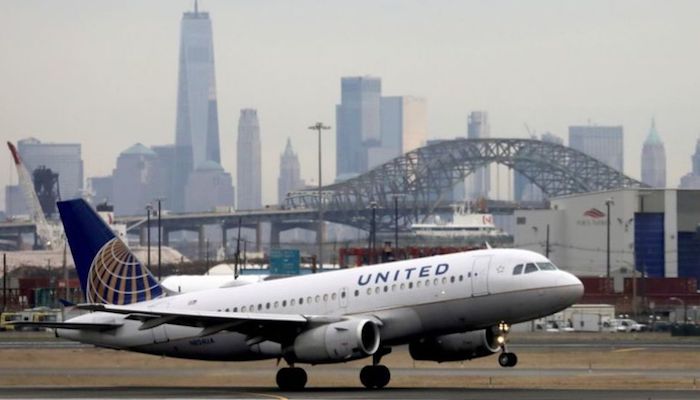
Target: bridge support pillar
point(224, 240)
point(143, 232)
point(200, 243)
point(258, 236)
point(275, 230)
point(166, 237)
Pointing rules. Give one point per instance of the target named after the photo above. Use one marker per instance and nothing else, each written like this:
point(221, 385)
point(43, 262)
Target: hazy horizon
point(104, 74)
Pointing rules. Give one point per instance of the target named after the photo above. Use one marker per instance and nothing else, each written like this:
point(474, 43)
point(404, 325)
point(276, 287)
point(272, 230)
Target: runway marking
point(272, 396)
point(628, 350)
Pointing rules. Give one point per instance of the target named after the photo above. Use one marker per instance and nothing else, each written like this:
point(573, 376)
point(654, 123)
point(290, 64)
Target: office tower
point(403, 127)
point(289, 178)
point(197, 125)
point(62, 158)
point(523, 189)
point(133, 180)
point(165, 180)
point(604, 143)
point(692, 180)
point(15, 203)
point(101, 189)
point(357, 124)
point(209, 188)
point(248, 170)
point(478, 183)
point(654, 159)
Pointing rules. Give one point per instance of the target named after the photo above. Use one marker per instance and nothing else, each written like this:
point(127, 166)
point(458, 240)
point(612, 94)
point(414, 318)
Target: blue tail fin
point(109, 273)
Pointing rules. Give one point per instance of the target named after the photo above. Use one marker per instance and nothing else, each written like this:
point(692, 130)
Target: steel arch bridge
point(420, 178)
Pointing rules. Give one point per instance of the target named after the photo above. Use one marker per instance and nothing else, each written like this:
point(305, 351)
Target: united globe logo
point(117, 277)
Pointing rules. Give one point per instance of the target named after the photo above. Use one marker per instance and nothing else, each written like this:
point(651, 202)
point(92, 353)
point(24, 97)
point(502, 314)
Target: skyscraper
point(133, 179)
point(208, 187)
point(478, 184)
point(654, 159)
point(248, 161)
point(197, 125)
point(62, 158)
point(289, 178)
point(604, 143)
point(357, 124)
point(403, 127)
point(692, 180)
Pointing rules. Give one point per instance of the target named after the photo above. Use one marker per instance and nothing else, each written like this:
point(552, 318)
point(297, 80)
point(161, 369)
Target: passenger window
point(227, 310)
point(267, 306)
point(452, 279)
point(318, 298)
point(235, 309)
point(277, 304)
point(243, 309)
point(427, 282)
point(292, 302)
point(410, 285)
point(301, 300)
point(530, 267)
point(518, 269)
point(369, 291)
point(444, 281)
point(377, 290)
point(357, 293)
point(309, 300)
point(461, 278)
point(284, 303)
point(418, 284)
point(386, 289)
point(333, 296)
point(403, 286)
point(435, 281)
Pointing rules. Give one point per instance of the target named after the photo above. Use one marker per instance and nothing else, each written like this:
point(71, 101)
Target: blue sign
point(284, 261)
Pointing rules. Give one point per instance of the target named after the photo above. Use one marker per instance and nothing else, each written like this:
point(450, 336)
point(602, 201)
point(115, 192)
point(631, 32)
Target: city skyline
point(606, 62)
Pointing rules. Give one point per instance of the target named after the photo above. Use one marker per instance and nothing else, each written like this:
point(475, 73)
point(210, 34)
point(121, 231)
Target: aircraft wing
point(257, 326)
point(68, 325)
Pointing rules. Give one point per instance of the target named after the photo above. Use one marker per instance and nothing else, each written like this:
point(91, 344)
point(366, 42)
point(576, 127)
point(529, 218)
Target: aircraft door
point(344, 298)
point(480, 275)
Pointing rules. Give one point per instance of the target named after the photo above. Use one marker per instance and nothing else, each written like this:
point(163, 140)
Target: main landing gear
point(291, 378)
point(376, 376)
point(505, 359)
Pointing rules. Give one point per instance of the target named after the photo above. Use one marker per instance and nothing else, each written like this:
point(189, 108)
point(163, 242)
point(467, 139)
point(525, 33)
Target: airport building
point(605, 143)
point(653, 231)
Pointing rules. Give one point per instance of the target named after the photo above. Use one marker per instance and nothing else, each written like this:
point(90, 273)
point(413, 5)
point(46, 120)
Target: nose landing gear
point(505, 359)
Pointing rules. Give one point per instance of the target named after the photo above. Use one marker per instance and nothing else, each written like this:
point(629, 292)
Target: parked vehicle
point(623, 325)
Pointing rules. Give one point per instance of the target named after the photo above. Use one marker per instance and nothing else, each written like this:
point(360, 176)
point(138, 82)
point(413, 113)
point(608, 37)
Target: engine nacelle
point(339, 341)
point(455, 347)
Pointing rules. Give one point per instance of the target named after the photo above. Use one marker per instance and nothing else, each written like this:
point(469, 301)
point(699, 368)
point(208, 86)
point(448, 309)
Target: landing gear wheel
point(291, 378)
point(507, 359)
point(375, 376)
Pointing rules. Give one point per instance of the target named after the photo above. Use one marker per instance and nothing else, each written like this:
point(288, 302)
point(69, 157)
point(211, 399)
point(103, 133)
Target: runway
point(341, 393)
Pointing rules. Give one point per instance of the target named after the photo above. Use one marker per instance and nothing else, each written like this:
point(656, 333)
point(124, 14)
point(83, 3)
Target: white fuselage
point(408, 299)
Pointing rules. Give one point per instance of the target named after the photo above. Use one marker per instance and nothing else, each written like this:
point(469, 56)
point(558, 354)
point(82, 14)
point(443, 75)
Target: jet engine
point(339, 341)
point(456, 346)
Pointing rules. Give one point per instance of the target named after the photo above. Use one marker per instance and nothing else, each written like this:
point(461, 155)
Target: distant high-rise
point(692, 179)
point(197, 125)
point(605, 143)
point(478, 184)
point(357, 124)
point(654, 159)
point(524, 190)
point(248, 168)
point(62, 158)
point(14, 201)
point(403, 127)
point(289, 178)
point(133, 179)
point(208, 187)
point(101, 189)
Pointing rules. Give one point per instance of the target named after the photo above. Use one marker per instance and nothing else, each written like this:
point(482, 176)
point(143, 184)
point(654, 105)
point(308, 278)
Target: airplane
point(449, 307)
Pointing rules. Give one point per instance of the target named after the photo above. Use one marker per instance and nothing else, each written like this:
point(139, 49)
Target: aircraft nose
point(573, 286)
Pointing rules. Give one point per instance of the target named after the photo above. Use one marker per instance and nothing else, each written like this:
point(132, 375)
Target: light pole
point(372, 231)
point(148, 235)
point(608, 203)
point(320, 127)
point(159, 236)
point(685, 310)
point(396, 227)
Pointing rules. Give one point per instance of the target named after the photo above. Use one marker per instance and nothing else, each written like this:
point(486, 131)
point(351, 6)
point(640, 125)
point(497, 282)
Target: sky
point(104, 73)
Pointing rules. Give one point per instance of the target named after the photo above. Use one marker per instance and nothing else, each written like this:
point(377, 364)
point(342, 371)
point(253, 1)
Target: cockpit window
point(530, 267)
point(518, 269)
point(546, 266)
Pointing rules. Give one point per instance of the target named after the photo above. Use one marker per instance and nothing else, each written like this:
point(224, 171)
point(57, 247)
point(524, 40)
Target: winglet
point(15, 154)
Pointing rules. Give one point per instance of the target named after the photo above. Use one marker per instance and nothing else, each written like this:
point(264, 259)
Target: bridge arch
point(422, 176)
